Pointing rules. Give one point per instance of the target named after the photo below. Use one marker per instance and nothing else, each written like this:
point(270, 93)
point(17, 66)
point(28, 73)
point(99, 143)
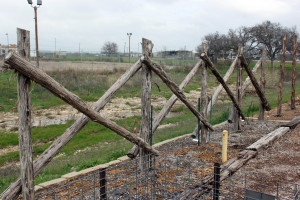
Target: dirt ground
point(280, 161)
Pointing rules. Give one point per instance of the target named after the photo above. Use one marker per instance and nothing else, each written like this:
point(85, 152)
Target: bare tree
point(109, 48)
point(243, 36)
point(271, 34)
point(217, 45)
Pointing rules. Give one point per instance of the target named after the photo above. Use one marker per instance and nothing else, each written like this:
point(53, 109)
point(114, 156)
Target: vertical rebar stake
point(210, 116)
point(151, 124)
point(102, 177)
point(216, 181)
point(198, 123)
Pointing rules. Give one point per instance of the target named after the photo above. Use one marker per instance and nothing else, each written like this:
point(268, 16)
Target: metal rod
point(198, 134)
point(210, 117)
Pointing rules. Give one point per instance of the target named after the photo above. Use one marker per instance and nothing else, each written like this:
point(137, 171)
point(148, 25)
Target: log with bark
point(24, 108)
point(254, 82)
point(246, 84)
point(211, 66)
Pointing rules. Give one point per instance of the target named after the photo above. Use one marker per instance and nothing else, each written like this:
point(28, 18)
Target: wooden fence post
point(293, 106)
point(204, 100)
point(24, 107)
point(147, 46)
point(263, 82)
point(282, 65)
point(238, 96)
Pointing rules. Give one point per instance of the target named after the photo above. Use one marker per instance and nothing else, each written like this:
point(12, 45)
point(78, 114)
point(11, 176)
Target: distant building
point(179, 53)
point(4, 49)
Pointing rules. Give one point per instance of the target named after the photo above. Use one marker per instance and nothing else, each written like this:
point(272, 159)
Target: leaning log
point(246, 84)
point(58, 90)
point(254, 82)
point(24, 108)
point(157, 69)
point(211, 66)
point(217, 92)
point(134, 151)
point(41, 162)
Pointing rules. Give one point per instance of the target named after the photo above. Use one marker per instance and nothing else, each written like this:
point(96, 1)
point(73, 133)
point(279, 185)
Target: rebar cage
point(163, 177)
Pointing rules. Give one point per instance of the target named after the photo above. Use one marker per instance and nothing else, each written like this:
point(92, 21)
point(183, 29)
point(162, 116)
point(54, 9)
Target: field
point(96, 144)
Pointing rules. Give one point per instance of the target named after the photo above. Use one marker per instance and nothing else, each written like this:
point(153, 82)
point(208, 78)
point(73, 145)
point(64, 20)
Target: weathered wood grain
point(147, 46)
point(24, 108)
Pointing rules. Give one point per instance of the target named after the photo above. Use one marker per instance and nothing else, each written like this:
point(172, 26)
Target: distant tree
point(243, 36)
point(217, 45)
point(271, 35)
point(109, 48)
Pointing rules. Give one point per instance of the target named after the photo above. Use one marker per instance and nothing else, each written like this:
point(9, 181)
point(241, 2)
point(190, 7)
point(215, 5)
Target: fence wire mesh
point(162, 177)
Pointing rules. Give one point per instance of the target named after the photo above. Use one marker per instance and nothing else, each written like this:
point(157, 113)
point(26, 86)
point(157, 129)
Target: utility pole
point(129, 35)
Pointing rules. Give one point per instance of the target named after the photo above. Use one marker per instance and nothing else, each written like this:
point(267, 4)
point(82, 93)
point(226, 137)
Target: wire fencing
point(164, 177)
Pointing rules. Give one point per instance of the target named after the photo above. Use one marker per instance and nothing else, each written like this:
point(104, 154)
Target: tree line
point(253, 39)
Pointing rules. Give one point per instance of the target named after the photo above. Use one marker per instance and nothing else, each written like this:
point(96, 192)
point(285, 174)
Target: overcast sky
point(170, 24)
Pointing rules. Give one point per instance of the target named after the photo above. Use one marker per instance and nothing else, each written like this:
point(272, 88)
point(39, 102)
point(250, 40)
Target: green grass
point(100, 144)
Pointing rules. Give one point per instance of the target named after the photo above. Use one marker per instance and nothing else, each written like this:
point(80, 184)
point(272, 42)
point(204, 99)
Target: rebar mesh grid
point(162, 177)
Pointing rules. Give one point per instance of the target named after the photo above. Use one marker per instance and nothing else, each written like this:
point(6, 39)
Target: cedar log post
point(204, 100)
point(293, 105)
point(41, 162)
point(211, 66)
point(255, 84)
point(217, 92)
point(167, 107)
point(246, 84)
point(156, 68)
point(282, 65)
point(147, 46)
point(24, 107)
point(40, 77)
point(237, 124)
point(263, 82)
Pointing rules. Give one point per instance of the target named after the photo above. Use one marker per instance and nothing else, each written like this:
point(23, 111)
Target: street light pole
point(39, 3)
point(129, 35)
point(36, 38)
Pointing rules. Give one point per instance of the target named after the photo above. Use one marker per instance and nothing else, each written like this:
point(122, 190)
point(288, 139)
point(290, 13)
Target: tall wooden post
point(147, 46)
point(238, 96)
point(293, 106)
point(204, 100)
point(282, 65)
point(263, 82)
point(24, 107)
